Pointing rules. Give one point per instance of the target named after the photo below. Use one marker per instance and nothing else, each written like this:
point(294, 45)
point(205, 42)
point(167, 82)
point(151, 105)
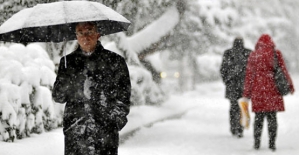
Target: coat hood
point(238, 43)
point(265, 41)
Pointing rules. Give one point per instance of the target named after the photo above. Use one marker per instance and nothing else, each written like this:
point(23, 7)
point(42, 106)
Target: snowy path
point(202, 130)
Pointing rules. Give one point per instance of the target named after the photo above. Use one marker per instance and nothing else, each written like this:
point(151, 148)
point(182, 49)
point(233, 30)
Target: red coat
point(259, 83)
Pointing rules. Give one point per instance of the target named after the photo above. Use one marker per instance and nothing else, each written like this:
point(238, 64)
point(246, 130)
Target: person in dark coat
point(95, 85)
point(233, 73)
point(261, 89)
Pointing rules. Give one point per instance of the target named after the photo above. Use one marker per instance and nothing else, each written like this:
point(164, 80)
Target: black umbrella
point(55, 22)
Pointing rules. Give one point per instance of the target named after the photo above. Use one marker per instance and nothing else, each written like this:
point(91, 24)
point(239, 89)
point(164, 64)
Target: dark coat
point(259, 82)
point(233, 69)
point(109, 101)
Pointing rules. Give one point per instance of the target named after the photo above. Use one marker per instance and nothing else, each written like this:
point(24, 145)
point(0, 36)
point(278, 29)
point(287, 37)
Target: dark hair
point(89, 23)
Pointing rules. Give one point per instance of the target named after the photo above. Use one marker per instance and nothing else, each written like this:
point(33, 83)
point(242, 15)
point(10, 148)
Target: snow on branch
point(153, 32)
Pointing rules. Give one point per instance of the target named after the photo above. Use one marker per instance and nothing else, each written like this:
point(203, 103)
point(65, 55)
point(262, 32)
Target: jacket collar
point(97, 51)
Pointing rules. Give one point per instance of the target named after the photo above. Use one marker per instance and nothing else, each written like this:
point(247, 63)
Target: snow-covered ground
point(203, 129)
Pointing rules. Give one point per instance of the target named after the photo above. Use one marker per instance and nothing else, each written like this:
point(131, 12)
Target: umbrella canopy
point(55, 22)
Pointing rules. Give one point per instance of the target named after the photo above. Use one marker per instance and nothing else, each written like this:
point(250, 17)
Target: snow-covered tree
point(208, 27)
point(152, 22)
point(278, 20)
point(26, 105)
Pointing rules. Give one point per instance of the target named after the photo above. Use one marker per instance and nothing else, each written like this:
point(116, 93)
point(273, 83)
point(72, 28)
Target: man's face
point(87, 36)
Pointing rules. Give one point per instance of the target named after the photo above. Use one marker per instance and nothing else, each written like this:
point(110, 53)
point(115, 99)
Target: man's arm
point(60, 87)
point(225, 68)
point(122, 106)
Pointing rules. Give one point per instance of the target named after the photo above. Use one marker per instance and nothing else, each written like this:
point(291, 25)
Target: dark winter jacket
point(233, 69)
point(110, 88)
point(259, 81)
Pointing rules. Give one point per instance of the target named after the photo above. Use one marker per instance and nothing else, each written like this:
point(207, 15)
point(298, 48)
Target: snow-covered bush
point(144, 89)
point(9, 105)
point(26, 105)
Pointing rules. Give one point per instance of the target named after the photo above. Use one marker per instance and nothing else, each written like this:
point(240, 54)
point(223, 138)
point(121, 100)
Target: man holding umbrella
point(92, 81)
point(95, 85)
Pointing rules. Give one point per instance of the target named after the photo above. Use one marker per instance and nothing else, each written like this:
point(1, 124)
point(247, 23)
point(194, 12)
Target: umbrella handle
point(64, 51)
point(64, 59)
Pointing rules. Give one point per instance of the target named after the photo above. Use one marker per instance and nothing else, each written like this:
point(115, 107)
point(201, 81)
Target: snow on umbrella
point(55, 22)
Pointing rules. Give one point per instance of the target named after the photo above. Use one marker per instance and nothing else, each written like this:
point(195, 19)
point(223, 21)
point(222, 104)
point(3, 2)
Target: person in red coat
point(259, 86)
